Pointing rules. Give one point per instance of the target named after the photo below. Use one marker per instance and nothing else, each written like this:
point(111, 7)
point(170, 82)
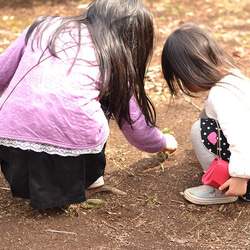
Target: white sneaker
point(98, 183)
point(206, 195)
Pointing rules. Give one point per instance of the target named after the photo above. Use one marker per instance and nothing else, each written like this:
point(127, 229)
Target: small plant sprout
point(149, 198)
point(161, 154)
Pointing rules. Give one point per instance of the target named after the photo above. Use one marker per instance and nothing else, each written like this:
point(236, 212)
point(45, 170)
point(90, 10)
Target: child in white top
point(192, 61)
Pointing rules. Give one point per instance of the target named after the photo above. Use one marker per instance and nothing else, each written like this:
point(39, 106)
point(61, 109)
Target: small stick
point(137, 217)
point(62, 232)
point(188, 101)
point(196, 226)
point(177, 201)
point(104, 222)
point(151, 169)
point(106, 188)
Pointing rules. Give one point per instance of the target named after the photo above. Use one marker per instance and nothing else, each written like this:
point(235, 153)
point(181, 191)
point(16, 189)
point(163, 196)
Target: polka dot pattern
point(209, 137)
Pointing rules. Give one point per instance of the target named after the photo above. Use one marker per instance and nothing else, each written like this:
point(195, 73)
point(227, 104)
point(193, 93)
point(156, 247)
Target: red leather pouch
point(217, 173)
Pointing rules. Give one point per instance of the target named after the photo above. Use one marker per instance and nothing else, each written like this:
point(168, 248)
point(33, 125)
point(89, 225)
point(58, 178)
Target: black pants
point(50, 180)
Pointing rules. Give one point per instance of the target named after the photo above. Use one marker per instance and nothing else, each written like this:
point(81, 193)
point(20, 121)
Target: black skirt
point(50, 180)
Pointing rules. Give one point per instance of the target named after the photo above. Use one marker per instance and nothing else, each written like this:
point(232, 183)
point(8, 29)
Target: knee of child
point(195, 131)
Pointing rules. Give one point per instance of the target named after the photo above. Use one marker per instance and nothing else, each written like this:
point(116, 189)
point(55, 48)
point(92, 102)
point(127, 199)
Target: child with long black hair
point(59, 83)
point(193, 62)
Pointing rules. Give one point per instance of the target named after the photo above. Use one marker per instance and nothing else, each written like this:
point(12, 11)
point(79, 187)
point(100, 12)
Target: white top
point(229, 103)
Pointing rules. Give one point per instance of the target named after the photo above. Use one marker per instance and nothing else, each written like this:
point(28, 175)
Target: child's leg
point(95, 168)
point(204, 156)
point(204, 138)
point(204, 134)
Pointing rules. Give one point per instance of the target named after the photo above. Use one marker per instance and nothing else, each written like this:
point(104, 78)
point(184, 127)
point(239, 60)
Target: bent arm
point(144, 137)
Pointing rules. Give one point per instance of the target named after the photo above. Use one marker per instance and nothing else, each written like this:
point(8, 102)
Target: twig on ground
point(105, 223)
point(204, 220)
point(106, 188)
point(180, 202)
point(137, 217)
point(4, 188)
point(188, 101)
point(62, 232)
point(151, 169)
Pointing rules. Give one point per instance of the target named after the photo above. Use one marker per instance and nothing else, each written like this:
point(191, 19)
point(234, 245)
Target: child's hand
point(171, 145)
point(234, 186)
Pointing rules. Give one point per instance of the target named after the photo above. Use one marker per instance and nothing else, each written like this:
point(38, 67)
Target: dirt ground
point(143, 205)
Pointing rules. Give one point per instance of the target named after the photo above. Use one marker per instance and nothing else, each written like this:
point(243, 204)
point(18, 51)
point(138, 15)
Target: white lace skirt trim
point(49, 149)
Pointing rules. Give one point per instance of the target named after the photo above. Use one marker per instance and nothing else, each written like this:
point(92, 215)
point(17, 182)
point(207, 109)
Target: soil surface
point(143, 205)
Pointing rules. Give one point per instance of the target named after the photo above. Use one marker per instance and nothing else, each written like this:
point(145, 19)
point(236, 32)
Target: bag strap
point(218, 140)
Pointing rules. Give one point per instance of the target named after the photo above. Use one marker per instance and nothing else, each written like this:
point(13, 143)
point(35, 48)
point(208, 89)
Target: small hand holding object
point(171, 144)
point(234, 186)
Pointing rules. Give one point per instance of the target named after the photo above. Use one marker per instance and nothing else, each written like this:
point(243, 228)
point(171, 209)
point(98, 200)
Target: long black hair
point(191, 56)
point(123, 33)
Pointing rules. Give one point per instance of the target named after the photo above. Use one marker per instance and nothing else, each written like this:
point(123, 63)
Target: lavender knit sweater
point(47, 103)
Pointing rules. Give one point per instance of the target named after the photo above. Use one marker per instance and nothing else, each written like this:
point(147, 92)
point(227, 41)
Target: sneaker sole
point(200, 201)
point(95, 186)
point(98, 183)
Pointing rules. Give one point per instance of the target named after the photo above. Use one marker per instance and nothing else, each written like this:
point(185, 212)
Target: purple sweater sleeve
point(9, 61)
point(143, 137)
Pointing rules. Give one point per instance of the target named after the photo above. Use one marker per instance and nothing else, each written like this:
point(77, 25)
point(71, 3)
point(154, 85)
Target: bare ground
point(143, 203)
